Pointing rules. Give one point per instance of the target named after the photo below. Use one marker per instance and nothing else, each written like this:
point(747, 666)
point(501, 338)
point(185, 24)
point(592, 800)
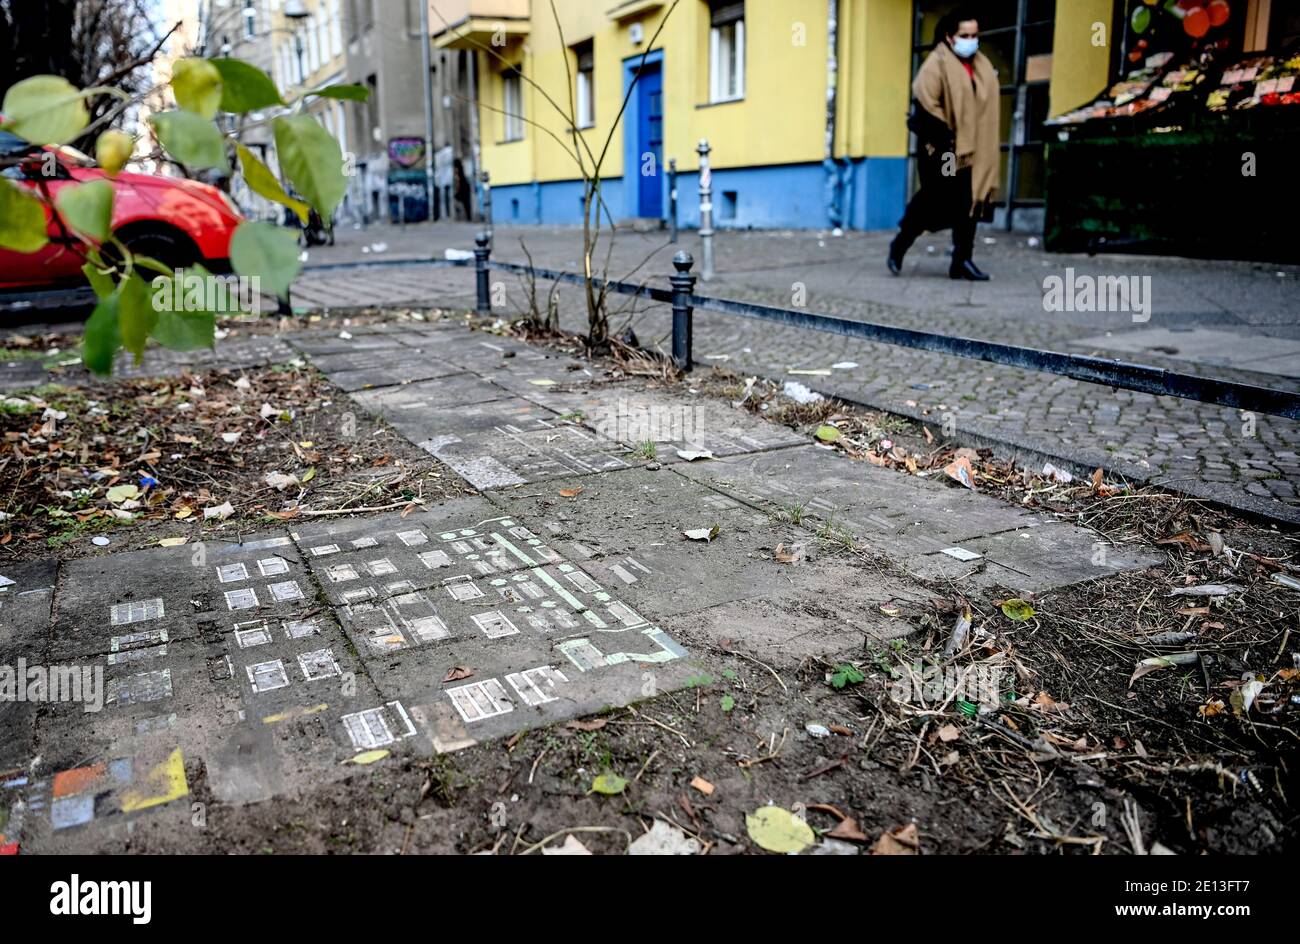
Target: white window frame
point(717, 92)
point(512, 113)
point(336, 29)
point(585, 96)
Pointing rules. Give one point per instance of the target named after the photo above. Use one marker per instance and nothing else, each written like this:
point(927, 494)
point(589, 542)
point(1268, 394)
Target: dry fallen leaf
point(959, 470)
point(847, 829)
point(791, 555)
point(949, 732)
point(591, 724)
point(222, 511)
point(458, 672)
point(901, 841)
point(571, 492)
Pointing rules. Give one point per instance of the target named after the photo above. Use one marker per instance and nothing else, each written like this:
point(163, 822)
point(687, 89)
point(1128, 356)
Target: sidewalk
point(256, 678)
point(1238, 321)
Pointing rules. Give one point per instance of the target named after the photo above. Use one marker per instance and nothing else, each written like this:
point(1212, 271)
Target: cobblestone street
point(1236, 321)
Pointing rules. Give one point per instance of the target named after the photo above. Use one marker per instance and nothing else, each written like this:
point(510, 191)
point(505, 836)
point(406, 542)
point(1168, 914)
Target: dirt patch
point(134, 461)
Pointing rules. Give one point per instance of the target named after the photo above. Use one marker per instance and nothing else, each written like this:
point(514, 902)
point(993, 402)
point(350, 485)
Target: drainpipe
point(834, 209)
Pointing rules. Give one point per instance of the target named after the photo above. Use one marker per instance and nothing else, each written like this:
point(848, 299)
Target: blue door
point(650, 142)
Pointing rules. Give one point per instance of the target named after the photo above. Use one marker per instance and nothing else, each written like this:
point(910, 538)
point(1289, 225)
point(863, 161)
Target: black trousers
point(943, 202)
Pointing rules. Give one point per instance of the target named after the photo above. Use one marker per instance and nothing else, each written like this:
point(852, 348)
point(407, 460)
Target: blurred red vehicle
point(176, 221)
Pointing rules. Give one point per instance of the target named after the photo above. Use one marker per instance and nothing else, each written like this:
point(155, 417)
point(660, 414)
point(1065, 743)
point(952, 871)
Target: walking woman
point(955, 118)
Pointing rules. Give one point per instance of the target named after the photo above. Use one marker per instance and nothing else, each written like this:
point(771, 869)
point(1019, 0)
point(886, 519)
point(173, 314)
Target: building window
point(586, 88)
point(512, 105)
point(336, 30)
point(727, 52)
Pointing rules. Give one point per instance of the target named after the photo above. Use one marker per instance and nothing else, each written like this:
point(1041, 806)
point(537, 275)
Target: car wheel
point(173, 249)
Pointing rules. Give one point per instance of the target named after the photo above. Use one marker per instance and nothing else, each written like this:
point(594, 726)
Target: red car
point(176, 221)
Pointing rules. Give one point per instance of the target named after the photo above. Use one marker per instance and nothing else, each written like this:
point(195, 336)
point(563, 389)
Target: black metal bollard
point(683, 284)
point(482, 250)
point(672, 199)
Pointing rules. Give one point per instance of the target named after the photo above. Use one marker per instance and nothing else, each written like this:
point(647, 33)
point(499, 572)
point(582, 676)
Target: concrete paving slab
point(491, 419)
point(633, 416)
point(395, 373)
point(451, 391)
point(912, 520)
point(498, 461)
point(533, 637)
point(626, 529)
point(538, 379)
point(344, 361)
point(26, 598)
point(314, 343)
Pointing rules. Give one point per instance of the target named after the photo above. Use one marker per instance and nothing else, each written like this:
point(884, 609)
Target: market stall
point(1194, 149)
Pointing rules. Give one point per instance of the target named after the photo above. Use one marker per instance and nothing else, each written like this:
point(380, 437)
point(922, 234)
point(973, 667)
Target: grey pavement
point(279, 661)
point(1233, 320)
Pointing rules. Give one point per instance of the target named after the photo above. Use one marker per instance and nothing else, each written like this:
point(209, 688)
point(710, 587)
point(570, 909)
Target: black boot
point(895, 261)
point(966, 269)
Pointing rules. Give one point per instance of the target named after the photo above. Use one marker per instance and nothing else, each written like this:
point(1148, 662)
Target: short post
point(706, 210)
point(683, 284)
point(482, 249)
point(672, 199)
point(283, 305)
point(487, 204)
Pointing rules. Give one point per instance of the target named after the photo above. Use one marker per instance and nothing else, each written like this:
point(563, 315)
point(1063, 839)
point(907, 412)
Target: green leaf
point(87, 208)
point(728, 703)
point(348, 93)
point(261, 181)
point(136, 315)
point(609, 785)
point(191, 139)
point(101, 338)
point(45, 109)
point(196, 83)
point(266, 252)
point(182, 325)
point(846, 674)
point(22, 219)
point(827, 434)
point(1017, 610)
point(245, 87)
point(185, 330)
point(99, 280)
point(311, 159)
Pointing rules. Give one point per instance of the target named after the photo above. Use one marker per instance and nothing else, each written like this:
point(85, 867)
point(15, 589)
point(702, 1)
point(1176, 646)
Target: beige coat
point(943, 88)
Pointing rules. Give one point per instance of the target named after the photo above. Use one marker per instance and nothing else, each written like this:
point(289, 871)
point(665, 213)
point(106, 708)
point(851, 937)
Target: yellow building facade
point(758, 80)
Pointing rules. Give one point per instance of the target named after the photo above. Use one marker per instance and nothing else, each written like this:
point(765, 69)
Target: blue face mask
point(965, 47)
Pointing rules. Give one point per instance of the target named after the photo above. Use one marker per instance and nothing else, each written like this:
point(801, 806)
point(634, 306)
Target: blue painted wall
point(878, 192)
point(558, 202)
point(788, 196)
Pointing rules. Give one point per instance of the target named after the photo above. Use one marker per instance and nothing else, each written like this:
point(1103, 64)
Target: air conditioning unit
point(636, 33)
